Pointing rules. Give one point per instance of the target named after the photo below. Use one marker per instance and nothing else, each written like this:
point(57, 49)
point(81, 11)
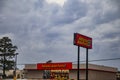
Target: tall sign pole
point(86, 42)
point(78, 66)
point(87, 64)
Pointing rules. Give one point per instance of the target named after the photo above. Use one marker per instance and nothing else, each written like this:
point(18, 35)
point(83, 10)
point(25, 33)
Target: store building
point(67, 70)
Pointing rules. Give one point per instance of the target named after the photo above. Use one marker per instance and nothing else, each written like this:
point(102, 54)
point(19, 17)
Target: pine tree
point(7, 54)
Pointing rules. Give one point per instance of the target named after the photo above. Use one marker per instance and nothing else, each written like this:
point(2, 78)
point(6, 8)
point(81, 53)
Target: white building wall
point(34, 74)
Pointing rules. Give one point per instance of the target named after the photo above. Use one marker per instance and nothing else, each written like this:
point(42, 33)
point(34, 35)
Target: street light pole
point(15, 66)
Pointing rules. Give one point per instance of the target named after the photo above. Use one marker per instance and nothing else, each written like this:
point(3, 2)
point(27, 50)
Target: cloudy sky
point(43, 29)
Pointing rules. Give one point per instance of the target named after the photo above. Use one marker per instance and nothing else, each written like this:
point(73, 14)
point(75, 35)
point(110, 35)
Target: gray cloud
point(71, 11)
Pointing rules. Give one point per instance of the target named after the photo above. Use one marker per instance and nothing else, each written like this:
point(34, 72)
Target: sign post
point(78, 66)
point(87, 64)
point(86, 42)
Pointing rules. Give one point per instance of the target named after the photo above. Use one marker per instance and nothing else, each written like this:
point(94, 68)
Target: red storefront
point(55, 70)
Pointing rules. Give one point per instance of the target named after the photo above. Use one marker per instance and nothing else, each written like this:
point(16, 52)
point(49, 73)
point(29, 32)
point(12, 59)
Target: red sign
point(83, 41)
point(54, 66)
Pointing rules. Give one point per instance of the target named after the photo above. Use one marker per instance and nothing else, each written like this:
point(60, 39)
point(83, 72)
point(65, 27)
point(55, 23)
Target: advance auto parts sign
point(83, 41)
point(54, 66)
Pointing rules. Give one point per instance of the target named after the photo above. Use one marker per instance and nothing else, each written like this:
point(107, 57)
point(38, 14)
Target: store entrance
point(56, 74)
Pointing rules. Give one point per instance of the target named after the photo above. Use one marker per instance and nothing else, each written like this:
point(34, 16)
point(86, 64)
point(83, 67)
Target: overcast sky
point(43, 29)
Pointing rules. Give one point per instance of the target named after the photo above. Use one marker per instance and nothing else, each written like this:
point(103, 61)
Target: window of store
point(56, 74)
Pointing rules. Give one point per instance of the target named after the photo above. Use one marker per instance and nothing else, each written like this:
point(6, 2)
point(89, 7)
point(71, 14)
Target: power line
point(105, 59)
point(96, 60)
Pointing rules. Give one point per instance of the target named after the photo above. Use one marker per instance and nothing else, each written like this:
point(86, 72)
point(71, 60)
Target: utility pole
point(15, 66)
